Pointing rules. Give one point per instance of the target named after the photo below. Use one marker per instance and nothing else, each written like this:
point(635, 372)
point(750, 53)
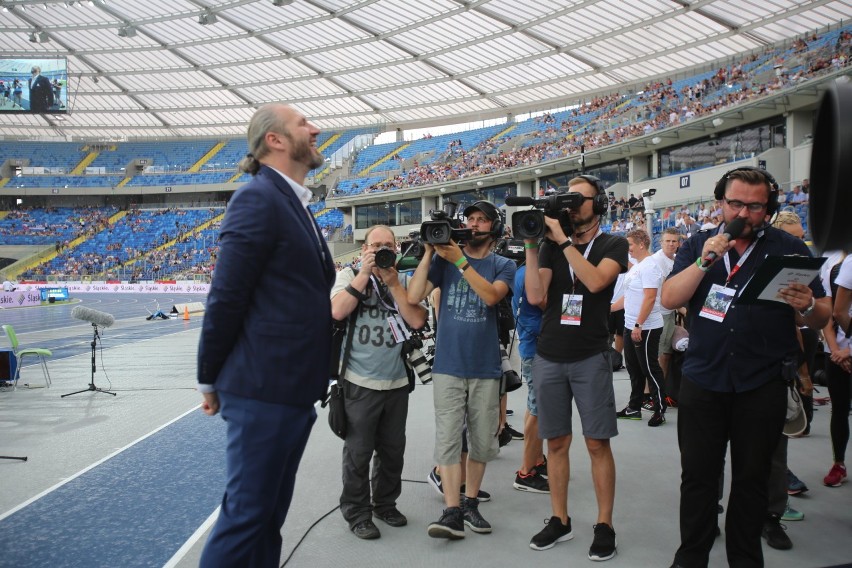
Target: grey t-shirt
point(375, 361)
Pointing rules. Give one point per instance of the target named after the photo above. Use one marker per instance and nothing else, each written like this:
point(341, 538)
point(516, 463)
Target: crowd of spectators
point(615, 117)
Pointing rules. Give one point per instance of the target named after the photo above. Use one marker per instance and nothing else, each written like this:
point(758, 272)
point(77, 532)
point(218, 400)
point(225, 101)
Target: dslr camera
point(386, 257)
point(530, 224)
point(444, 226)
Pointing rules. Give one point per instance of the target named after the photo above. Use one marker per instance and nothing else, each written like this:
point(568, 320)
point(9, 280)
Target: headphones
point(494, 214)
point(600, 205)
point(771, 205)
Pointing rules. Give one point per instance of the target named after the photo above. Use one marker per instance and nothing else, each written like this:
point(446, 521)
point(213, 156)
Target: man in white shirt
point(669, 241)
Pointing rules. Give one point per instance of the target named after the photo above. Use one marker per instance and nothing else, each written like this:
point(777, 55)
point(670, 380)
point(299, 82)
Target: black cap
point(485, 206)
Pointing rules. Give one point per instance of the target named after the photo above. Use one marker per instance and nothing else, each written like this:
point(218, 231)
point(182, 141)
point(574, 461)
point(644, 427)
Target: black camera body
point(530, 224)
point(442, 228)
point(385, 257)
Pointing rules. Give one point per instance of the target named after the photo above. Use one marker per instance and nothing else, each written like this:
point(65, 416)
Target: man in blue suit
point(265, 345)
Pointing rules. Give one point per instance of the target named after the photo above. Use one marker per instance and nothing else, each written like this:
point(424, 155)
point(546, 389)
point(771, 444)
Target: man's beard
point(304, 154)
point(479, 241)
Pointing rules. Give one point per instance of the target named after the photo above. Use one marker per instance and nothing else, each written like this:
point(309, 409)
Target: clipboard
point(778, 272)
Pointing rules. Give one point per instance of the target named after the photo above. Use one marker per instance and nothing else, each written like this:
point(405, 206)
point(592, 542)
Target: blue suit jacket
point(267, 327)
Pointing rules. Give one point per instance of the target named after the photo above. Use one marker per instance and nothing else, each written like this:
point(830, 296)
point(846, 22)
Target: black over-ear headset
point(771, 205)
point(600, 205)
point(492, 213)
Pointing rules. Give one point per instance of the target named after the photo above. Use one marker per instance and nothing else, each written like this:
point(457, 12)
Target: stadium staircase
point(196, 167)
point(205, 225)
point(123, 182)
point(504, 132)
point(384, 159)
point(3, 213)
point(4, 181)
point(80, 168)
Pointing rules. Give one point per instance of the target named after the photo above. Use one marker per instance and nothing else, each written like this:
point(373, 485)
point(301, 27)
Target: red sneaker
point(836, 476)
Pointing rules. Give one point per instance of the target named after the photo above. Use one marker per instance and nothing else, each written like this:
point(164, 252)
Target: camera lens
point(439, 234)
point(385, 258)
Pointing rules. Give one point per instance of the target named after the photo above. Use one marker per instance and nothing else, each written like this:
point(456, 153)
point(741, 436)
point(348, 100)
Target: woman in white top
point(838, 280)
point(643, 326)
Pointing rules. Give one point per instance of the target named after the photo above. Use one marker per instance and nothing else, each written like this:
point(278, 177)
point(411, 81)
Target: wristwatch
point(638, 325)
point(807, 311)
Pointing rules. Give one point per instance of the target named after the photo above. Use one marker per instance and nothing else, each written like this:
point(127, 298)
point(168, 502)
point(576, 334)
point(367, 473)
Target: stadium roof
point(192, 68)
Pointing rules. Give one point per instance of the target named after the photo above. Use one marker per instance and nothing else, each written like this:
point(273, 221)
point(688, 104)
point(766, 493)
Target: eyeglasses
point(382, 245)
point(737, 205)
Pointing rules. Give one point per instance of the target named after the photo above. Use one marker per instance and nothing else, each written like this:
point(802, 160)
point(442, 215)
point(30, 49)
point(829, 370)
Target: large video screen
point(34, 86)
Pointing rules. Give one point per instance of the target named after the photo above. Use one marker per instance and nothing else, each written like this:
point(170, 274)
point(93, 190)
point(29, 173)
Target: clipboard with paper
point(778, 272)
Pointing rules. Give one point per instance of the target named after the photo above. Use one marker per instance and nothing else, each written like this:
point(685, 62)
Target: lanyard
point(742, 260)
point(586, 256)
point(395, 308)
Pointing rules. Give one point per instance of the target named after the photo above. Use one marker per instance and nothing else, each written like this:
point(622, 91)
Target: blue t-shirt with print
point(466, 342)
point(528, 320)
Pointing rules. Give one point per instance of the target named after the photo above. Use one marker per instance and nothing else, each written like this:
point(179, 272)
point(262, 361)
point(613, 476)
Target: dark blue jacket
point(267, 326)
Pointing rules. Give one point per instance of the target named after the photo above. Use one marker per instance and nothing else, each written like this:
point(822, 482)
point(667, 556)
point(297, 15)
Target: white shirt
point(844, 278)
point(666, 265)
point(646, 274)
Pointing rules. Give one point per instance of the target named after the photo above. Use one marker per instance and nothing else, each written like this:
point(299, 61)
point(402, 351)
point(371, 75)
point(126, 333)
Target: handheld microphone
point(733, 230)
point(518, 201)
point(102, 319)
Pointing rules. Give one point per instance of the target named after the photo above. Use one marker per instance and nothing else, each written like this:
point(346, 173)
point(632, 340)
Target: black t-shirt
point(569, 343)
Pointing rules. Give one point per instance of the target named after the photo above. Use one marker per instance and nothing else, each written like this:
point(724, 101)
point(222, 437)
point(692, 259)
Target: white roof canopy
point(349, 63)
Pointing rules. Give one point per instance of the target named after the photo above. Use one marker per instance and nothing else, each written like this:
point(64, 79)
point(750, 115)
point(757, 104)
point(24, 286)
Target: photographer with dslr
point(376, 384)
point(573, 280)
point(467, 367)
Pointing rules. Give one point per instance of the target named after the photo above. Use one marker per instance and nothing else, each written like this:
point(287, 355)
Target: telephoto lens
point(511, 380)
point(421, 366)
point(385, 258)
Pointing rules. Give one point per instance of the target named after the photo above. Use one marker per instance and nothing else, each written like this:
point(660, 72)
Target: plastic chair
point(31, 351)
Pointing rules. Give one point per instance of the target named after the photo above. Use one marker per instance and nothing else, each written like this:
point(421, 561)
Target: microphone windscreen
point(735, 228)
point(513, 200)
point(102, 319)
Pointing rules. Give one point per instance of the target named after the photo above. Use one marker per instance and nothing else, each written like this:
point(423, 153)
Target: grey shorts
point(526, 375)
point(666, 338)
point(589, 383)
point(455, 398)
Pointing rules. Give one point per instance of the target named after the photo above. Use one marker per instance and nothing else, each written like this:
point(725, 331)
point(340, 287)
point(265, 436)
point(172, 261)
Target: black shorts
point(616, 322)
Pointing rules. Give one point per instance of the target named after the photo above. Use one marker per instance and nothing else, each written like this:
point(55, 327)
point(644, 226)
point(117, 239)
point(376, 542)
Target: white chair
point(42, 354)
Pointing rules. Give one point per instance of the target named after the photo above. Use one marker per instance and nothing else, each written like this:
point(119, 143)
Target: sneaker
point(604, 545)
point(791, 514)
point(629, 414)
point(434, 479)
point(795, 486)
point(541, 468)
point(392, 517)
point(658, 419)
point(482, 496)
point(510, 412)
point(473, 519)
point(648, 403)
point(504, 437)
point(836, 476)
point(773, 532)
point(450, 525)
point(672, 403)
point(366, 530)
point(532, 482)
point(514, 433)
point(554, 531)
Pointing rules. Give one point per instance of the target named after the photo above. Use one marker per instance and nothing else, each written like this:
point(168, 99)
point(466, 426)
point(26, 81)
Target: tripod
point(92, 386)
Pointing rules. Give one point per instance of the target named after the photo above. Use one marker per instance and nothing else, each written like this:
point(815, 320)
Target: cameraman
point(572, 356)
point(466, 371)
point(376, 385)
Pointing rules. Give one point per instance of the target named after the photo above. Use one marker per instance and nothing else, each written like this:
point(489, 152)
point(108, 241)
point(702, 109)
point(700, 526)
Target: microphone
point(102, 319)
point(514, 201)
point(733, 230)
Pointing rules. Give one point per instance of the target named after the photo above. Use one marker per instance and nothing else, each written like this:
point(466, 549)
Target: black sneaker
point(366, 530)
point(773, 532)
point(532, 482)
point(450, 525)
point(472, 517)
point(541, 468)
point(483, 496)
point(434, 479)
point(648, 403)
point(554, 531)
point(658, 419)
point(629, 414)
point(392, 517)
point(514, 433)
point(604, 545)
point(504, 437)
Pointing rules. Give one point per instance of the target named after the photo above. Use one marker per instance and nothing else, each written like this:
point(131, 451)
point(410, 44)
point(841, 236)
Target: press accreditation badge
point(398, 328)
point(717, 302)
point(572, 309)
